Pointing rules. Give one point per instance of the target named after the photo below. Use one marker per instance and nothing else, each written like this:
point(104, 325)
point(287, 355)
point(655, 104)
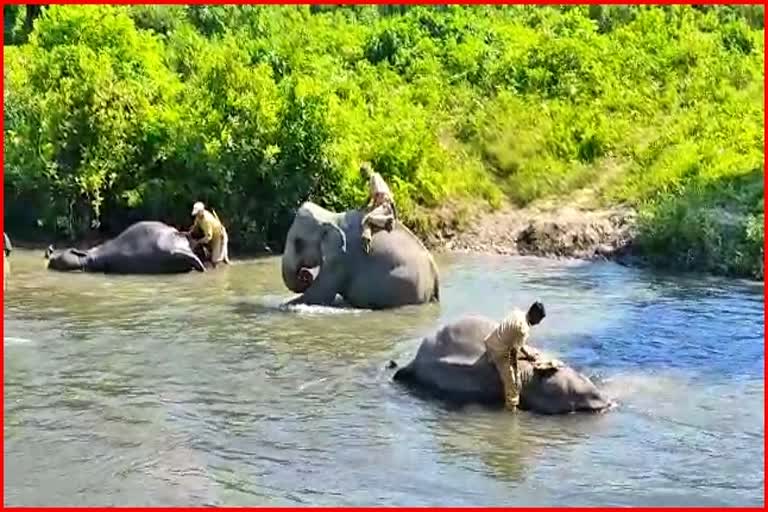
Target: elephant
point(323, 257)
point(146, 247)
point(452, 365)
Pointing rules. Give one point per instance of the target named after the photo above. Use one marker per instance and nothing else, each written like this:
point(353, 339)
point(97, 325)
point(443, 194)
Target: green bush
point(113, 114)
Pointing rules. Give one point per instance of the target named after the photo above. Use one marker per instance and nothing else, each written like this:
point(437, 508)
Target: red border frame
point(368, 2)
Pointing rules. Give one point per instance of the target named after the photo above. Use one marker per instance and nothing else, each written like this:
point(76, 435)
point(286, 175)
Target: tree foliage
point(116, 113)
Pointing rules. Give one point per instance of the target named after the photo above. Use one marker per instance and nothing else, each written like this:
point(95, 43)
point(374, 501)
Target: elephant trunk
point(296, 278)
point(290, 276)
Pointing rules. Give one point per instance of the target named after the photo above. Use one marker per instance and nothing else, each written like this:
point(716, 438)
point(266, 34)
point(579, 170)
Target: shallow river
point(196, 389)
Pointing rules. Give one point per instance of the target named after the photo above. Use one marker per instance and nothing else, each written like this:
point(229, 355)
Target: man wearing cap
point(381, 212)
point(214, 233)
point(507, 343)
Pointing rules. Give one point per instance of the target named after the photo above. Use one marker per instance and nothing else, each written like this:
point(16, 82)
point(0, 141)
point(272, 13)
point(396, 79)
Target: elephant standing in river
point(147, 247)
point(324, 257)
point(452, 364)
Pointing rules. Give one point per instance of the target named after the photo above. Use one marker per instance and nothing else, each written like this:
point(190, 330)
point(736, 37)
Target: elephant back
point(460, 342)
point(451, 363)
point(138, 239)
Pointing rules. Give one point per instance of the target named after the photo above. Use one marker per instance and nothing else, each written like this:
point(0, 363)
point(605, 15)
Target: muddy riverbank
point(561, 232)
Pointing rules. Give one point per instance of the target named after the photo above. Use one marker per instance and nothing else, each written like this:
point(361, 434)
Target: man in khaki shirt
point(380, 205)
point(507, 343)
point(214, 233)
point(6, 264)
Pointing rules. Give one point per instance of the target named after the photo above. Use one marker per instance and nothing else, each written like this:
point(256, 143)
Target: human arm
point(207, 228)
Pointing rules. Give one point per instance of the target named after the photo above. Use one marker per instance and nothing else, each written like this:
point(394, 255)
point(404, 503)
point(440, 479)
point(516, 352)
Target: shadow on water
point(200, 389)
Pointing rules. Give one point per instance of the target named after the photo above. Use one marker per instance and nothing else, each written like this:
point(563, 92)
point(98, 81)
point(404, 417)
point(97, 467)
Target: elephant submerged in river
point(146, 247)
point(324, 257)
point(452, 365)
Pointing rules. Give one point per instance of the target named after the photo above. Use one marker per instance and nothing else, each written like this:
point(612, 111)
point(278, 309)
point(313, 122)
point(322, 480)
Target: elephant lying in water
point(147, 247)
point(451, 364)
point(324, 257)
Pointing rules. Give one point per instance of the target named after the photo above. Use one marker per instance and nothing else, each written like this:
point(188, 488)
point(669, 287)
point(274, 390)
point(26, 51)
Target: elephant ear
point(333, 242)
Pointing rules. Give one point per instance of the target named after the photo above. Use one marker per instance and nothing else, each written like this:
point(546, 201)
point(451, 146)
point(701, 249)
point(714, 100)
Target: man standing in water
point(381, 212)
point(6, 264)
point(214, 233)
point(507, 343)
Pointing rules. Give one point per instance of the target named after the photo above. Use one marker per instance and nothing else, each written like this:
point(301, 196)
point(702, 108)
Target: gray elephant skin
point(146, 247)
point(398, 271)
point(452, 365)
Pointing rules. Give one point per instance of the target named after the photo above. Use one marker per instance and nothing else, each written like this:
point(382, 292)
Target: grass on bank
point(116, 113)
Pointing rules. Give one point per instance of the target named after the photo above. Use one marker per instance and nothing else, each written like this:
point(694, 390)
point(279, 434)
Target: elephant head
point(65, 259)
point(314, 240)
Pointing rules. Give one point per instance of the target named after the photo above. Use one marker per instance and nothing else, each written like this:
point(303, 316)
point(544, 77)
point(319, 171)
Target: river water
point(197, 390)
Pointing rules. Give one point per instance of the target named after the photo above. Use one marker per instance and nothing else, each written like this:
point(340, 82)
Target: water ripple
point(143, 391)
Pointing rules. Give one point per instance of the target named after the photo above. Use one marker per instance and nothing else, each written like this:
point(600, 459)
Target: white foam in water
point(644, 384)
point(277, 303)
point(312, 383)
point(12, 340)
point(654, 394)
point(305, 309)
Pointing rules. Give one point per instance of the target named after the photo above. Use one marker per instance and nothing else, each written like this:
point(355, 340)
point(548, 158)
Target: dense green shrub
point(717, 227)
point(118, 113)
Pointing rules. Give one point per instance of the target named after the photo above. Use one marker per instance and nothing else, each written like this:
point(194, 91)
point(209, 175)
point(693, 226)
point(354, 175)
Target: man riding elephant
point(323, 257)
point(381, 212)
